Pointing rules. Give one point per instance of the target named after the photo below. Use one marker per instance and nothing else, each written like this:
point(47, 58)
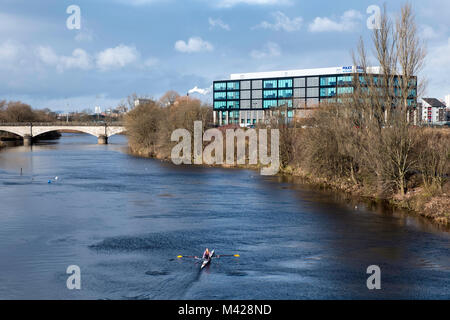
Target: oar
point(228, 255)
point(194, 257)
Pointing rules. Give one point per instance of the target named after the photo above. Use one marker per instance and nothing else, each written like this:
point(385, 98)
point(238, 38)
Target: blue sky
point(151, 46)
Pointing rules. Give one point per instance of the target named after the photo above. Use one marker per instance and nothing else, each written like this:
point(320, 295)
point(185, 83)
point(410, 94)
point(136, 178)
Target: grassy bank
point(405, 165)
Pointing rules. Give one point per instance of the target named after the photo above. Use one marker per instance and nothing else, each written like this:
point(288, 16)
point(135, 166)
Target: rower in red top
point(206, 254)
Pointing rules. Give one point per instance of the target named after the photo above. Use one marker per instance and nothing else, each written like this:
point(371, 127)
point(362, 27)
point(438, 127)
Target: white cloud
point(79, 59)
point(9, 51)
point(201, 91)
point(347, 22)
point(282, 22)
point(194, 44)
point(118, 57)
point(218, 23)
point(271, 49)
point(231, 3)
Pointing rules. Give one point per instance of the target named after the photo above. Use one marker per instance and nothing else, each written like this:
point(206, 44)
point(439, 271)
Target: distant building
point(141, 101)
point(433, 111)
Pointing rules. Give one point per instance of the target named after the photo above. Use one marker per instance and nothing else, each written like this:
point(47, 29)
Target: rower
point(206, 254)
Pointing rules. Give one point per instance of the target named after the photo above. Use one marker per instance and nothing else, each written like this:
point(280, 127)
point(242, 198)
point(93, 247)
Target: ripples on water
point(124, 220)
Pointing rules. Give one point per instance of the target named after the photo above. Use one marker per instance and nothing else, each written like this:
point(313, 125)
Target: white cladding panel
point(301, 72)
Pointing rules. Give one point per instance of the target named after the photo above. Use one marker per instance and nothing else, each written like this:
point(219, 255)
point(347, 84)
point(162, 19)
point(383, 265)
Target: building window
point(220, 95)
point(345, 90)
point(270, 94)
point(246, 94)
point(232, 104)
point(312, 92)
point(233, 85)
point(327, 81)
point(220, 86)
point(299, 82)
point(287, 93)
point(256, 104)
point(245, 85)
point(256, 84)
point(362, 80)
point(312, 102)
point(220, 105)
point(285, 83)
point(285, 103)
point(269, 104)
point(344, 80)
point(327, 92)
point(313, 82)
point(299, 92)
point(233, 95)
point(245, 104)
point(270, 84)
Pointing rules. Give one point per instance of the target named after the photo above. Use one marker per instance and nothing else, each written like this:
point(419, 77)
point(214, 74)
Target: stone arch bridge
point(28, 131)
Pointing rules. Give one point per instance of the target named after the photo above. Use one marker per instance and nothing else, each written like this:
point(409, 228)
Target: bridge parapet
point(62, 123)
point(29, 130)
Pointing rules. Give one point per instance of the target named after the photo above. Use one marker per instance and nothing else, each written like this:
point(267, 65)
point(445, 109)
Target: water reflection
point(124, 220)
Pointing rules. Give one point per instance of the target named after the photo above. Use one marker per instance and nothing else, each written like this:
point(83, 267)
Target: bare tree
point(169, 98)
point(411, 52)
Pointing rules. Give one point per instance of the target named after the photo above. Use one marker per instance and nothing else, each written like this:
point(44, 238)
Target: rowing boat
point(207, 261)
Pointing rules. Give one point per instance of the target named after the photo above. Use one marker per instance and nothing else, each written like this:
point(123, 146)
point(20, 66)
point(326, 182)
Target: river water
point(123, 220)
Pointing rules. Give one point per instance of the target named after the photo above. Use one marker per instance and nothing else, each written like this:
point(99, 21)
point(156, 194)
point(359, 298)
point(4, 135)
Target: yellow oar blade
point(179, 257)
point(236, 255)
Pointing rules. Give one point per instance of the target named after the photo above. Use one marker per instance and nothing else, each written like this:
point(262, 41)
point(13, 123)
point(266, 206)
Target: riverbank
point(405, 165)
point(431, 204)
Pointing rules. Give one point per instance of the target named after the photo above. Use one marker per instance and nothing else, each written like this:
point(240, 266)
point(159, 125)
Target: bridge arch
point(112, 131)
point(37, 131)
point(17, 131)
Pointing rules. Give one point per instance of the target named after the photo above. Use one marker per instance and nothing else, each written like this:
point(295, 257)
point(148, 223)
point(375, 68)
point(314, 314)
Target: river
point(124, 220)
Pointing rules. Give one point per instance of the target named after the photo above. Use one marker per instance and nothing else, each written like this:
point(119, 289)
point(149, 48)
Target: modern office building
point(249, 98)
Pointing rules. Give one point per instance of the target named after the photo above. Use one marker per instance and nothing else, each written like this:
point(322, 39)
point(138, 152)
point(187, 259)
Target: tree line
point(16, 111)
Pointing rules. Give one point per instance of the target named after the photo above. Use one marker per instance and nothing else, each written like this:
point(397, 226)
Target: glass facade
point(220, 86)
point(286, 93)
point(270, 94)
point(233, 95)
point(270, 84)
point(328, 81)
point(233, 85)
point(327, 92)
point(220, 95)
point(344, 80)
point(285, 83)
point(345, 90)
point(270, 103)
point(234, 98)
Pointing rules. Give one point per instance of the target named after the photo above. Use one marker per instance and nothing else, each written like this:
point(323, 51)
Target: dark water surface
point(123, 220)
